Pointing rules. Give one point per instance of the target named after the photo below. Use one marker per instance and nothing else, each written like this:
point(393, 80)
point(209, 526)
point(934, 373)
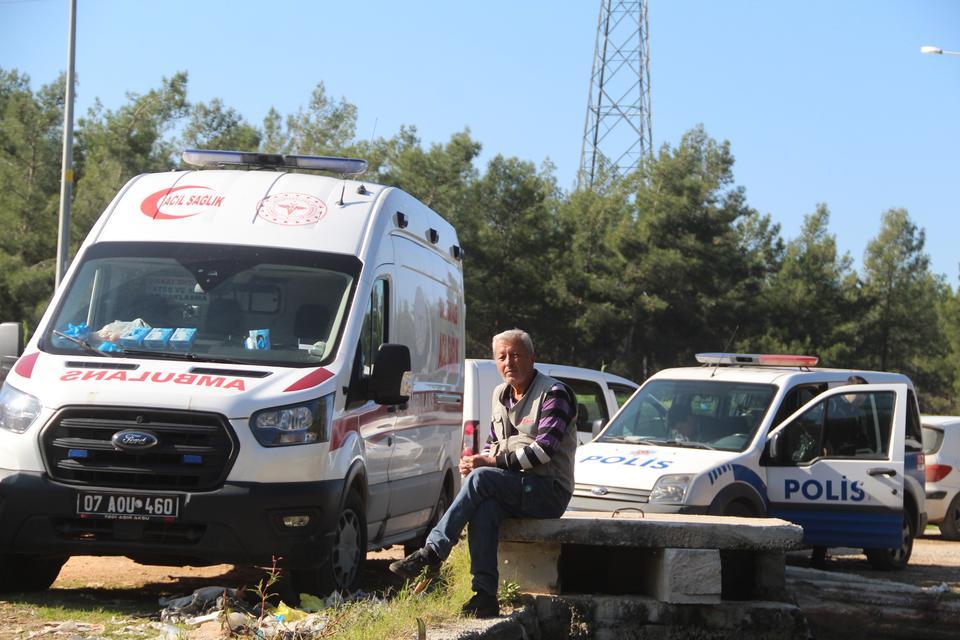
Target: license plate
point(127, 506)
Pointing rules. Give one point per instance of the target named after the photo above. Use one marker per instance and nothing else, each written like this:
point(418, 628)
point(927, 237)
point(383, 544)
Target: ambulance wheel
point(343, 567)
point(28, 573)
point(441, 508)
point(950, 527)
point(894, 559)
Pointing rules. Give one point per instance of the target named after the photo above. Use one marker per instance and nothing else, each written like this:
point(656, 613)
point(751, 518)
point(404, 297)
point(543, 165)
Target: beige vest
point(524, 417)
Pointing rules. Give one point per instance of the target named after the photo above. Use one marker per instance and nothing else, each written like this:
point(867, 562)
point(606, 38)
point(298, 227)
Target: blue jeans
point(489, 495)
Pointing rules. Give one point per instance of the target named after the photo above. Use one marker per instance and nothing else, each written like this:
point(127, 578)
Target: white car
point(941, 444)
point(599, 395)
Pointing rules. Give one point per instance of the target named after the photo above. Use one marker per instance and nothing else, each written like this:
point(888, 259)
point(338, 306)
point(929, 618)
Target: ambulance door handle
point(880, 471)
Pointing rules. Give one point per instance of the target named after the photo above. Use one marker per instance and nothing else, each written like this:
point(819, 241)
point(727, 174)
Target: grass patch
point(116, 616)
point(24, 619)
point(397, 617)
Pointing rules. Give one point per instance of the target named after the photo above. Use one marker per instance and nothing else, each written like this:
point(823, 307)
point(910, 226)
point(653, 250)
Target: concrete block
point(535, 566)
point(684, 576)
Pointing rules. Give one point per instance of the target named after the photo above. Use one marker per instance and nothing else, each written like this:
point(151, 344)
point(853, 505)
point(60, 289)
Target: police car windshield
point(701, 414)
point(204, 302)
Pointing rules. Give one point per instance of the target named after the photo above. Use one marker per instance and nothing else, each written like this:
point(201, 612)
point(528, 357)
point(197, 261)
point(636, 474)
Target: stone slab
point(658, 531)
point(686, 576)
point(534, 566)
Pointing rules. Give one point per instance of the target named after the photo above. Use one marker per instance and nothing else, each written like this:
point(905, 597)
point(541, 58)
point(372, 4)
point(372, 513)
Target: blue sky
point(822, 101)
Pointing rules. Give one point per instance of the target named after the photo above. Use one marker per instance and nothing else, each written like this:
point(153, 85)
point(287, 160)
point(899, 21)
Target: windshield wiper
point(631, 440)
point(688, 444)
point(179, 355)
point(83, 343)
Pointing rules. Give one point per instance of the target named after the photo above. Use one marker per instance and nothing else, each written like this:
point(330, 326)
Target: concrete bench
point(673, 558)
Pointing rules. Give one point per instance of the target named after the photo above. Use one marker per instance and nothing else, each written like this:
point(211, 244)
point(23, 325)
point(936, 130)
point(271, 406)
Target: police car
point(836, 451)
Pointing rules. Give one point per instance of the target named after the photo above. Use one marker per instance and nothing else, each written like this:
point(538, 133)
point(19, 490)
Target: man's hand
point(469, 463)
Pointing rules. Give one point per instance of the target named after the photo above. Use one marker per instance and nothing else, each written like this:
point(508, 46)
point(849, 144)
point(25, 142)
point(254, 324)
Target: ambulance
point(244, 362)
point(836, 451)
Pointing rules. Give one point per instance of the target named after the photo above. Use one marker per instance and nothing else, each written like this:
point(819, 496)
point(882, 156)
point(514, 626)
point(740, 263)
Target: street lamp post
point(938, 51)
point(66, 175)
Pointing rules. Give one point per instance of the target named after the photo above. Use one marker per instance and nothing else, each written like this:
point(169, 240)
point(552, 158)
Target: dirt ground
point(123, 585)
point(122, 573)
point(934, 561)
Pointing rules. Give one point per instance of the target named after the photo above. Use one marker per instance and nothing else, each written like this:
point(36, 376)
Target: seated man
point(682, 424)
point(525, 471)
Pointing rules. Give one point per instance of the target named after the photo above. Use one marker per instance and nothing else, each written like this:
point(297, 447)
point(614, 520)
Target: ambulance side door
point(376, 422)
point(836, 467)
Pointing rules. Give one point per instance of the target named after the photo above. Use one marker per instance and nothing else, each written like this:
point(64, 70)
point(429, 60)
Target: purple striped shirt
point(556, 412)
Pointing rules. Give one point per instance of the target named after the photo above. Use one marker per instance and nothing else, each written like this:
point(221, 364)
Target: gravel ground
point(935, 561)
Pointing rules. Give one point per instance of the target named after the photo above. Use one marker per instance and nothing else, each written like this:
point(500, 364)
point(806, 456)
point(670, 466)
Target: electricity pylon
point(617, 133)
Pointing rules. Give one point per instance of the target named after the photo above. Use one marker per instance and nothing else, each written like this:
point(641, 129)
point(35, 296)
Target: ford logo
point(599, 491)
point(134, 440)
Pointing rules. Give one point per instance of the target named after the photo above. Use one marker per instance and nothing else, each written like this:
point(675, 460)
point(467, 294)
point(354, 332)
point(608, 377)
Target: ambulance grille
point(193, 451)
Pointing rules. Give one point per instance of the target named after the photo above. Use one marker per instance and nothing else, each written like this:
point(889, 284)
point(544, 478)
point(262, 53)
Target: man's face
point(514, 362)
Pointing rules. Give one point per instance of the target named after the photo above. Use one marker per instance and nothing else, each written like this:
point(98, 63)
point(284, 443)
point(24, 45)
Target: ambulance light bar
point(767, 359)
point(211, 157)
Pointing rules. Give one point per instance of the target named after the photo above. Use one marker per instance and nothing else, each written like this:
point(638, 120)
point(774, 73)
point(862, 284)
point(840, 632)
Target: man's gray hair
point(511, 335)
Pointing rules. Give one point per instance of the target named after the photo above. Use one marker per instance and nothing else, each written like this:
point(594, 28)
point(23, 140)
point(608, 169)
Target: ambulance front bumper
point(238, 523)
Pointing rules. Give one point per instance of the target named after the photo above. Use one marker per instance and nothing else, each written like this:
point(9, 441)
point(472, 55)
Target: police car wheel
point(950, 527)
point(894, 559)
point(739, 509)
point(28, 573)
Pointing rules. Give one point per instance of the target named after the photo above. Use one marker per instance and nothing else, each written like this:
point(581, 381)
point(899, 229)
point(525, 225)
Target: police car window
point(800, 441)
point(796, 398)
point(622, 392)
point(590, 403)
point(859, 425)
point(914, 438)
point(693, 413)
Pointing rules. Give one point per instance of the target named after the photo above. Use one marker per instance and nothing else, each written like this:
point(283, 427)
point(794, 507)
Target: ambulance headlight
point(18, 410)
point(670, 489)
point(303, 423)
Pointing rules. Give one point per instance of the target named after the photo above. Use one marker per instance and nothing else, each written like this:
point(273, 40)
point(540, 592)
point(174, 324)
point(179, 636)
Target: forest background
point(634, 275)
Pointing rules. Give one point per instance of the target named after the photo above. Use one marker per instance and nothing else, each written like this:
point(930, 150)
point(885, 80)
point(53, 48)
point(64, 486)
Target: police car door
point(836, 467)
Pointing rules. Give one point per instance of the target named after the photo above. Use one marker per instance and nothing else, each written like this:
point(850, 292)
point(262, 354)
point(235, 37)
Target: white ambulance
point(239, 364)
point(837, 451)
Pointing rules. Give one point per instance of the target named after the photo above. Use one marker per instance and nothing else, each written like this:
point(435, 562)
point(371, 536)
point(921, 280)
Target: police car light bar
point(211, 157)
point(768, 359)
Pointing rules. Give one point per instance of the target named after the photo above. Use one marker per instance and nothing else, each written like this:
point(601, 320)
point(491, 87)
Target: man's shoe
point(482, 605)
point(422, 561)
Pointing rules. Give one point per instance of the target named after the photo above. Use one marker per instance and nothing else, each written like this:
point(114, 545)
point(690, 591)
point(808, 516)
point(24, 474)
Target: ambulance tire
point(950, 527)
point(28, 573)
point(441, 508)
point(894, 559)
point(343, 567)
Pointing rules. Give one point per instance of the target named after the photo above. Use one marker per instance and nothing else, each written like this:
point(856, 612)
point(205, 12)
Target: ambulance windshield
point(702, 414)
point(210, 302)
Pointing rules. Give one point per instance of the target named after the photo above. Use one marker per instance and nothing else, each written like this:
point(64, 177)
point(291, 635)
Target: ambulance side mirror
point(11, 339)
point(386, 383)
